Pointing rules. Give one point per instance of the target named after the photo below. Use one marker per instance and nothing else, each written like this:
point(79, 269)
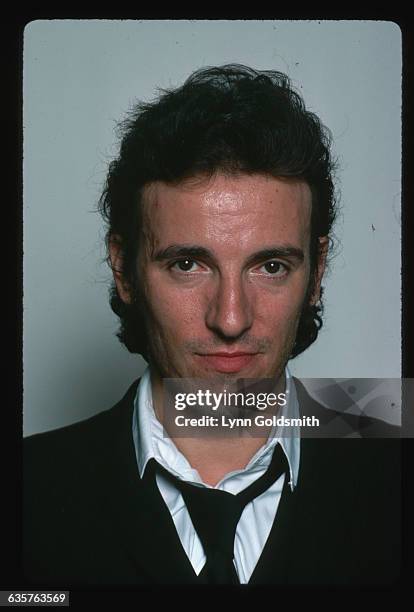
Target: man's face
point(225, 271)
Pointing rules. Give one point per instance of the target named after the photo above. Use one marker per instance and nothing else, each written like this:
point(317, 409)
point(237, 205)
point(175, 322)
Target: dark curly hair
point(231, 119)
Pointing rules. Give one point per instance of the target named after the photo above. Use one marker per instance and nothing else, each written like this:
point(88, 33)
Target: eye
point(274, 268)
point(184, 265)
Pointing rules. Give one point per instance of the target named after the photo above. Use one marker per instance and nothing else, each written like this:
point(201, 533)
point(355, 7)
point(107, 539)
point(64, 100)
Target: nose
point(229, 313)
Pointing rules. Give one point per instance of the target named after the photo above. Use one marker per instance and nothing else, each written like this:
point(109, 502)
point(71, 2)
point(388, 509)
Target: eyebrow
point(195, 251)
point(181, 250)
point(284, 252)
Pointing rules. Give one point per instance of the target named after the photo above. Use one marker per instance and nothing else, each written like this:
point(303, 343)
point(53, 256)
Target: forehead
point(240, 211)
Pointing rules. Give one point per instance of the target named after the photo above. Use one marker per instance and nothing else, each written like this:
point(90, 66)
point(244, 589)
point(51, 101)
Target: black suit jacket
point(90, 520)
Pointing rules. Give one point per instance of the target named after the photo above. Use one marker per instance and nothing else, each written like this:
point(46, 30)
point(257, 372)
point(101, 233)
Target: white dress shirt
point(257, 518)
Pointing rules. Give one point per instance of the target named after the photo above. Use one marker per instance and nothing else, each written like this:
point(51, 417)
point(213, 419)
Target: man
point(219, 211)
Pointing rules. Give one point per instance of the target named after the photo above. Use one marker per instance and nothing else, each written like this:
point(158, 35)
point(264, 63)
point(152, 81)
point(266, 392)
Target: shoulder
point(342, 417)
point(349, 448)
point(72, 476)
point(50, 451)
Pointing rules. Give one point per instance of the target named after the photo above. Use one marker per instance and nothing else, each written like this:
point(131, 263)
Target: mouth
point(228, 362)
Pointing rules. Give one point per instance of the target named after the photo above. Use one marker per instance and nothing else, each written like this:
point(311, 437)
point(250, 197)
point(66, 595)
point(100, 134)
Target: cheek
point(279, 326)
point(176, 315)
point(279, 310)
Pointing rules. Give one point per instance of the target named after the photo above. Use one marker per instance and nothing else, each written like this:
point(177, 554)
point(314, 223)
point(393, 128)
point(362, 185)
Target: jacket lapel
point(275, 568)
point(145, 527)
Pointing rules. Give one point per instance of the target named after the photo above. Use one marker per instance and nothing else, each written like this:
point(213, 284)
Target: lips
point(228, 362)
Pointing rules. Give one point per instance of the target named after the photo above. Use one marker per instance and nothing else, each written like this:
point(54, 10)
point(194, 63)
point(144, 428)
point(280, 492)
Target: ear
point(116, 257)
point(320, 268)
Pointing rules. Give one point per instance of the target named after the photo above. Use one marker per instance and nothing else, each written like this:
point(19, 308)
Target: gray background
point(80, 77)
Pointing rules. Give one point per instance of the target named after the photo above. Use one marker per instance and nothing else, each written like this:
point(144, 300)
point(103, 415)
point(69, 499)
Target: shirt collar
point(150, 442)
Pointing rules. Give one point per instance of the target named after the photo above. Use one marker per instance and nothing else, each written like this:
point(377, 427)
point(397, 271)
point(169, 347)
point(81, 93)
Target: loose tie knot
point(215, 515)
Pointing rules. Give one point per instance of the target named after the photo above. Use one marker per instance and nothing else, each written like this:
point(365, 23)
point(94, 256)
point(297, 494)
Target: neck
point(212, 457)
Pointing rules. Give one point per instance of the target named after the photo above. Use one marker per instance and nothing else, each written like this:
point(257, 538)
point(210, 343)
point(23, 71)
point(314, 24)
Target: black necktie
point(215, 515)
